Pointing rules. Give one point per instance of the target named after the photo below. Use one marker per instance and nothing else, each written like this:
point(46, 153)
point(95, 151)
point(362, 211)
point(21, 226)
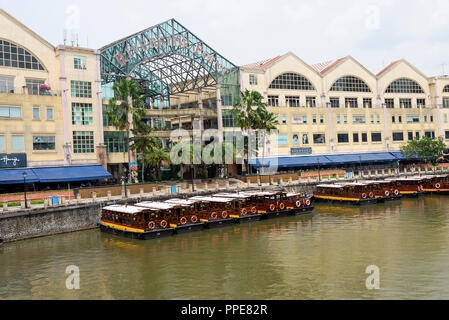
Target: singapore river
point(319, 256)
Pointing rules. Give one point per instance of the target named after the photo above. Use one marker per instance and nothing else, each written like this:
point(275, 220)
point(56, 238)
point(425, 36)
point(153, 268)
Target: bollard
point(141, 192)
point(45, 203)
point(109, 195)
point(62, 199)
point(227, 184)
point(94, 196)
point(5, 206)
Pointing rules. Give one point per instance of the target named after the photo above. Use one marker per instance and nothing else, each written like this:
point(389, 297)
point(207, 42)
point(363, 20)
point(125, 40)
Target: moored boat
point(353, 193)
point(383, 190)
point(245, 207)
point(215, 212)
point(135, 222)
point(408, 187)
point(437, 184)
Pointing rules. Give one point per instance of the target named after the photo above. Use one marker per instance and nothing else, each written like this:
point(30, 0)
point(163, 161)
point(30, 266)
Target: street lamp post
point(319, 169)
point(193, 177)
point(361, 171)
point(24, 189)
point(124, 178)
point(399, 167)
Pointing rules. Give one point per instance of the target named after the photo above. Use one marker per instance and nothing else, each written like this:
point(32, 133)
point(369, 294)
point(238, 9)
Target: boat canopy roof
point(182, 202)
point(375, 182)
point(212, 199)
point(124, 209)
point(157, 205)
point(335, 186)
point(261, 193)
point(232, 195)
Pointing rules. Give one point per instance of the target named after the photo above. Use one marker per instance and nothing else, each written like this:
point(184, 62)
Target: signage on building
point(11, 161)
point(301, 151)
point(299, 119)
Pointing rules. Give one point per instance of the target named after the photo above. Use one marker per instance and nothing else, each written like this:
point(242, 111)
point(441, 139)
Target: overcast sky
point(374, 32)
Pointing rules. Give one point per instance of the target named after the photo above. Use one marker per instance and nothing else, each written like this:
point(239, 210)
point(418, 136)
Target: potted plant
point(44, 89)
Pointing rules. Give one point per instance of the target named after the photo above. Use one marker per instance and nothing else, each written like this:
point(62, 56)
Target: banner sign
point(301, 151)
point(299, 119)
point(11, 161)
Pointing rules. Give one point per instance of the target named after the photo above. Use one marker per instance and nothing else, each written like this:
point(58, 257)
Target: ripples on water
point(319, 256)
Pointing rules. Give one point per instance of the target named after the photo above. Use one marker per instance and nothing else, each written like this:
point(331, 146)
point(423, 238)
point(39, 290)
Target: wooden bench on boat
point(135, 222)
point(353, 193)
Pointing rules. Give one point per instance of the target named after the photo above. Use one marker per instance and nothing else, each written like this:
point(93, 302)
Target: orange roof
point(261, 64)
point(323, 67)
point(387, 67)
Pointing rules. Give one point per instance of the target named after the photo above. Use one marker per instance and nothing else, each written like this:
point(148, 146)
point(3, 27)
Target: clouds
point(375, 32)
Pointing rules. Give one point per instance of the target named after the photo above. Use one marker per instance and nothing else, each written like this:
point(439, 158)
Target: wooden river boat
point(437, 184)
point(408, 187)
point(352, 193)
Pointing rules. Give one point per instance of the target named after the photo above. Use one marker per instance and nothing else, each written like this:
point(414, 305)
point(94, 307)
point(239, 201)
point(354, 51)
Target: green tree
point(144, 142)
point(245, 114)
point(126, 108)
point(154, 160)
point(426, 150)
point(265, 122)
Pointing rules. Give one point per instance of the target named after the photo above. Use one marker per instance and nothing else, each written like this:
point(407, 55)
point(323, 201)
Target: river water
point(319, 256)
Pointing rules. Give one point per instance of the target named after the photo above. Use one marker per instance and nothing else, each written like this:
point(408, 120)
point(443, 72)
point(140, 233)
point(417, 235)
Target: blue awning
point(362, 158)
point(68, 174)
point(57, 174)
point(15, 176)
point(292, 162)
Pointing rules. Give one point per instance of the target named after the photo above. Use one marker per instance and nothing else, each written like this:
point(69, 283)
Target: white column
point(219, 114)
point(66, 113)
point(438, 109)
point(99, 100)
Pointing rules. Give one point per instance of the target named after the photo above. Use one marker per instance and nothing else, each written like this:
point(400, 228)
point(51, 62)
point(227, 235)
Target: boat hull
point(219, 223)
point(190, 228)
point(248, 218)
point(355, 202)
point(137, 235)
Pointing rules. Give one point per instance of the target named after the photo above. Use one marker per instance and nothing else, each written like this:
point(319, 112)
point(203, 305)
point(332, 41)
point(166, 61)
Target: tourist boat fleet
point(366, 192)
point(150, 220)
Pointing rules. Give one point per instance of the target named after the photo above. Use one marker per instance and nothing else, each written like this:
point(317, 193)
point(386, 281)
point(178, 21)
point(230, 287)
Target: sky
point(374, 32)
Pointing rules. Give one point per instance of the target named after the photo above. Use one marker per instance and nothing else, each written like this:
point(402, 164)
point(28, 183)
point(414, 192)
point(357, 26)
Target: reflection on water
point(319, 256)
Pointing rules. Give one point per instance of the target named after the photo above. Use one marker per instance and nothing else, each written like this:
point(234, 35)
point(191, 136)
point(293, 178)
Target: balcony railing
point(25, 90)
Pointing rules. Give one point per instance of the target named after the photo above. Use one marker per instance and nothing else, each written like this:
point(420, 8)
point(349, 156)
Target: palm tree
point(244, 111)
point(126, 108)
point(155, 158)
point(265, 121)
point(144, 142)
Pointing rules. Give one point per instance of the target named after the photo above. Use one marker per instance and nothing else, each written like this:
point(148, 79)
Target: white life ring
point(396, 192)
point(298, 204)
point(387, 193)
point(308, 203)
point(438, 186)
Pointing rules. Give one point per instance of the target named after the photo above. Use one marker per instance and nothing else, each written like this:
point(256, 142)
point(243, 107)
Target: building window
point(335, 102)
point(36, 113)
point(355, 138)
point(292, 81)
point(345, 119)
point(358, 119)
point(405, 103)
point(44, 143)
point(398, 136)
point(412, 119)
point(389, 103)
point(50, 114)
point(314, 119)
point(115, 142)
point(295, 139)
point(378, 119)
point(376, 137)
point(430, 134)
point(446, 103)
point(404, 86)
point(10, 112)
point(393, 119)
point(350, 84)
point(82, 114)
point(431, 119)
point(418, 135)
point(446, 88)
point(299, 120)
point(226, 100)
point(364, 137)
point(293, 102)
point(372, 119)
point(421, 103)
point(283, 140)
point(400, 119)
point(319, 138)
point(284, 120)
point(2, 143)
point(83, 142)
point(81, 89)
point(273, 101)
point(33, 86)
point(425, 118)
point(351, 103)
point(305, 139)
point(321, 119)
point(6, 84)
point(228, 119)
point(253, 80)
point(447, 137)
point(18, 143)
point(367, 103)
point(338, 119)
point(311, 102)
point(343, 138)
point(80, 62)
point(410, 136)
point(15, 56)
